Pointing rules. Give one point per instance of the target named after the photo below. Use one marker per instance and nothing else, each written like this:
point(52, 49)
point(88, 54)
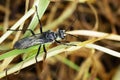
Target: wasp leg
point(22, 30)
point(37, 53)
point(6, 77)
point(45, 55)
point(45, 52)
point(67, 44)
point(39, 20)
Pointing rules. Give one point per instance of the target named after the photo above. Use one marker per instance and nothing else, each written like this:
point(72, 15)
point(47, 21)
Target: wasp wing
point(28, 42)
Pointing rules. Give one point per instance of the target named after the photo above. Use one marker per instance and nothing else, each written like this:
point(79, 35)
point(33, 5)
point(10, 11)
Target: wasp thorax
point(51, 35)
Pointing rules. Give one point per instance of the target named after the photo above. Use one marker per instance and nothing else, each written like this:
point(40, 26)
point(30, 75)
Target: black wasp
point(40, 39)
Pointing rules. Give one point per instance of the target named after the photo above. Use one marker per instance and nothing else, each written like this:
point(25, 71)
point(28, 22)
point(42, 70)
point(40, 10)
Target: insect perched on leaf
point(40, 39)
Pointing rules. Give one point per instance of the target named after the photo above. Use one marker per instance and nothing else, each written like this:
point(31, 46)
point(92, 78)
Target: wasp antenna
point(73, 36)
point(71, 24)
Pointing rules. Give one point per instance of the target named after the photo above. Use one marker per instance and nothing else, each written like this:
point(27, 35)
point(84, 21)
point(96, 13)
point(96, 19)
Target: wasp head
point(61, 34)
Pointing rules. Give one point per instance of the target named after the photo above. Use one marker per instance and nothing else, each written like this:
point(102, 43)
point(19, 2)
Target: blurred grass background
point(81, 64)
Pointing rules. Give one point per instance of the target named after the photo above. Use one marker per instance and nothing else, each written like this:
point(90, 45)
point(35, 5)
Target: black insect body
point(40, 39)
point(45, 37)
